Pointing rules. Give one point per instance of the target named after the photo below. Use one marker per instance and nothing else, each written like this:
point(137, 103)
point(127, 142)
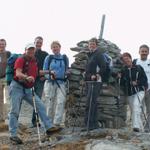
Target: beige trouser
point(55, 101)
point(2, 108)
point(135, 103)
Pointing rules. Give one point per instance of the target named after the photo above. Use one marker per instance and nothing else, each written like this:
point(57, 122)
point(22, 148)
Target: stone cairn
point(111, 110)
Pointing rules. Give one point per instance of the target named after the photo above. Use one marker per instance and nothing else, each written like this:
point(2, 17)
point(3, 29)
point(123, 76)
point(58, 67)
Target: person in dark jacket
point(40, 80)
point(134, 81)
point(94, 74)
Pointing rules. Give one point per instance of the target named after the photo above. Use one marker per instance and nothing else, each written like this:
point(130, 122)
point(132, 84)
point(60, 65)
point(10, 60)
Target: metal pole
point(37, 119)
point(89, 113)
point(102, 27)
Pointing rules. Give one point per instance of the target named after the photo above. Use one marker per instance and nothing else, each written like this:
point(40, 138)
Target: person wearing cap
point(40, 80)
point(20, 89)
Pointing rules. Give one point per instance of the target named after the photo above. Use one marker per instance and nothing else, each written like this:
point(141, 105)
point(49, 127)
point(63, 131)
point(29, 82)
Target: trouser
point(38, 89)
point(135, 103)
point(93, 90)
point(55, 98)
point(147, 104)
point(17, 94)
point(2, 107)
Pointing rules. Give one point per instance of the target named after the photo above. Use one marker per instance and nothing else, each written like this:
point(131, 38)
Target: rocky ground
point(100, 139)
point(104, 139)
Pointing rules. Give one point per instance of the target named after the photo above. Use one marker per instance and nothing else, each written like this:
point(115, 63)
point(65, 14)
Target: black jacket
point(96, 65)
point(136, 73)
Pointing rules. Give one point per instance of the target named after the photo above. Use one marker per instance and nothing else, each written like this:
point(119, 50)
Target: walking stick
point(54, 79)
point(89, 113)
point(63, 93)
point(37, 119)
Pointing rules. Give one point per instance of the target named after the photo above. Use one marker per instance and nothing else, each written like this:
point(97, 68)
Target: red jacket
point(29, 67)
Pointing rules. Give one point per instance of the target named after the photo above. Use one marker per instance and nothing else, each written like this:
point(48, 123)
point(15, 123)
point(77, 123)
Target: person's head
point(2, 44)
point(127, 59)
point(144, 52)
point(55, 46)
point(38, 42)
point(92, 44)
point(30, 50)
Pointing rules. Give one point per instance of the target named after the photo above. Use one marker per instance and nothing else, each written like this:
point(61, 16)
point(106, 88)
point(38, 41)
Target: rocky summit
point(114, 132)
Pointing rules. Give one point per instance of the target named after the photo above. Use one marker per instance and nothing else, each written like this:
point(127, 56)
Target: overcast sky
point(70, 21)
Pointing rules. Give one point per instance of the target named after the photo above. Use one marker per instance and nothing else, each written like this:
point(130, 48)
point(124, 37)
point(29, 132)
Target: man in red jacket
point(26, 71)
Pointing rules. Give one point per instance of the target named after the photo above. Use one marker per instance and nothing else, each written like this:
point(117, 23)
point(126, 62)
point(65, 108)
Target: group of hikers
point(37, 72)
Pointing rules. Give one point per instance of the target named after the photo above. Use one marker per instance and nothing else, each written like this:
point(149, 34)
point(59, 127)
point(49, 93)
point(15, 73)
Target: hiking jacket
point(40, 57)
point(146, 66)
point(29, 67)
point(96, 65)
point(135, 73)
point(57, 65)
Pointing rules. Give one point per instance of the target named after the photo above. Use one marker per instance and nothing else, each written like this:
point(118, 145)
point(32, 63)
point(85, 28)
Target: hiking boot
point(136, 129)
point(53, 130)
point(16, 140)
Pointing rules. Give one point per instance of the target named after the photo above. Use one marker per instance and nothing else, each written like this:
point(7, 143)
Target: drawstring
point(130, 77)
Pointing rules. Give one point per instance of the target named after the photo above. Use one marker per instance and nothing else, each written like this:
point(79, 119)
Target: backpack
point(108, 60)
point(64, 57)
point(10, 67)
point(109, 65)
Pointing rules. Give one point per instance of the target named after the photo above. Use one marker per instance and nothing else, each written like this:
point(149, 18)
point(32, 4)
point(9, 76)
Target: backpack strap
point(65, 61)
point(50, 57)
point(64, 57)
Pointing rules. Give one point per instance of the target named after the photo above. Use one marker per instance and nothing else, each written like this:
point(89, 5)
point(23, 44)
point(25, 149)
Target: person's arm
point(46, 70)
point(142, 78)
point(19, 64)
point(22, 76)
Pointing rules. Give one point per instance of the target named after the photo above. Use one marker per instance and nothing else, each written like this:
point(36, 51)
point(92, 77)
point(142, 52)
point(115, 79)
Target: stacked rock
point(111, 102)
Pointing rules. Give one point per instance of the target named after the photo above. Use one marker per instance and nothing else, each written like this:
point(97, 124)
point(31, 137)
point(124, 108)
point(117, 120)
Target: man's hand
point(30, 79)
point(93, 77)
point(119, 75)
point(134, 83)
point(98, 77)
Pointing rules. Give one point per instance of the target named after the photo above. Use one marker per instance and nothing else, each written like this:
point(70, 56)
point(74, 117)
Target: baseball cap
point(29, 45)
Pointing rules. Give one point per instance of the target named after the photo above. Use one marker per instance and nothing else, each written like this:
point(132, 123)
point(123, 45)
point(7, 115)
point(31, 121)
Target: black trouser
point(38, 89)
point(93, 90)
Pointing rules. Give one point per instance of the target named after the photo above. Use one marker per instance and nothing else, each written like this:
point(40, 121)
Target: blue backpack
point(64, 57)
point(109, 65)
point(10, 67)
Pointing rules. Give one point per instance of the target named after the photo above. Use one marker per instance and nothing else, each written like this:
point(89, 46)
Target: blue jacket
point(57, 64)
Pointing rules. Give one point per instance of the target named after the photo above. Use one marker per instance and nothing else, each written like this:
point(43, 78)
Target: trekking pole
point(63, 93)
point(37, 119)
point(54, 79)
point(89, 113)
point(142, 108)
